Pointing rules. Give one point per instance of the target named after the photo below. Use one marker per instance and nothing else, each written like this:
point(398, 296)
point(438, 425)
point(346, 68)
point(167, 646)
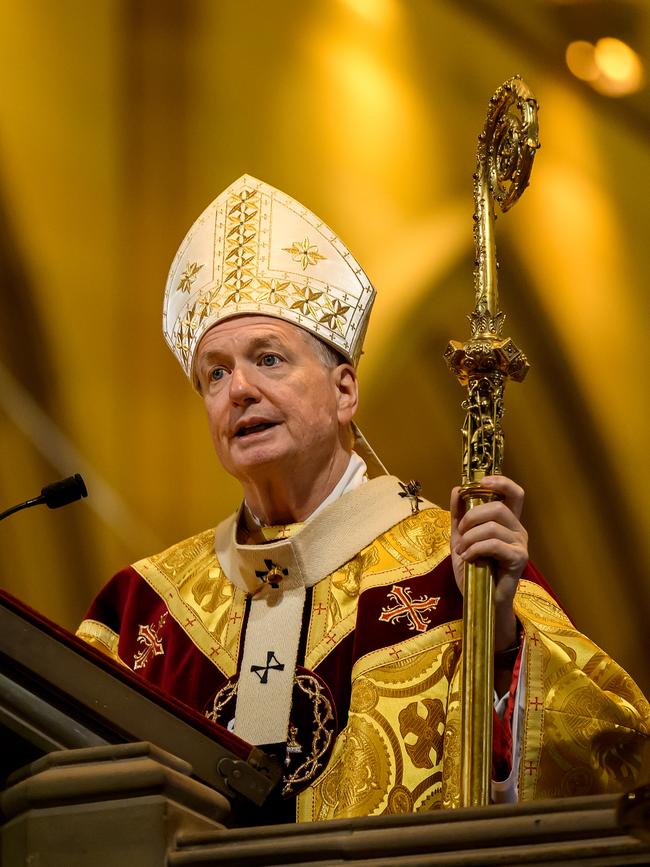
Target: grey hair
point(329, 356)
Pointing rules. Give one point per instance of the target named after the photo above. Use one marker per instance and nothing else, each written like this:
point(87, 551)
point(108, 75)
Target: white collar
point(329, 539)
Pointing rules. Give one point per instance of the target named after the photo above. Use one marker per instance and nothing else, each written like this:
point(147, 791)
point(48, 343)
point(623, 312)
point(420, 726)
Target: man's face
point(271, 401)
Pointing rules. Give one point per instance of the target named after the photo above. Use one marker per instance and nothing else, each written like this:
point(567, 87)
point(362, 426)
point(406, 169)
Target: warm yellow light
point(616, 60)
point(581, 60)
point(610, 66)
point(379, 12)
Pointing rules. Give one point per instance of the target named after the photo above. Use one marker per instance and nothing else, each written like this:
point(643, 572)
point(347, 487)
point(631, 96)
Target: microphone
point(54, 496)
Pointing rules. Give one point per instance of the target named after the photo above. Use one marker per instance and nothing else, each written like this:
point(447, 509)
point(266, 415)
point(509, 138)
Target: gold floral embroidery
point(189, 276)
point(335, 317)
point(307, 301)
point(305, 253)
point(357, 779)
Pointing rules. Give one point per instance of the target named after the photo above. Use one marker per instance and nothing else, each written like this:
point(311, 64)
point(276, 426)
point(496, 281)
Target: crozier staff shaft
point(483, 364)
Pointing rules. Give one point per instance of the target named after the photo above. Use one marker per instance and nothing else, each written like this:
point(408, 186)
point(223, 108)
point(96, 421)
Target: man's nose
point(242, 386)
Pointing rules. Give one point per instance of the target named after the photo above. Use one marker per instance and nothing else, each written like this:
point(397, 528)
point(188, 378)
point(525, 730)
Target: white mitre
point(256, 250)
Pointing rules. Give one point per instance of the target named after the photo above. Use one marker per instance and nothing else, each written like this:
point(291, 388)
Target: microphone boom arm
point(53, 496)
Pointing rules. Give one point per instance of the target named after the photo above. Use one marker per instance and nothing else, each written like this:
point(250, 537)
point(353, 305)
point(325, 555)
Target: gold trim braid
point(199, 597)
point(99, 636)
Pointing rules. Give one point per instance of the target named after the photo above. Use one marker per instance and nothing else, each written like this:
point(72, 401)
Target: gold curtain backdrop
point(121, 119)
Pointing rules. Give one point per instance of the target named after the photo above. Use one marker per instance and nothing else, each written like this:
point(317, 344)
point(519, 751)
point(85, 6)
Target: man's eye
point(270, 360)
point(216, 374)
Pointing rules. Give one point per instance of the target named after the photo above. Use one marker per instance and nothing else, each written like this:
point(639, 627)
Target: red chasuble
point(374, 719)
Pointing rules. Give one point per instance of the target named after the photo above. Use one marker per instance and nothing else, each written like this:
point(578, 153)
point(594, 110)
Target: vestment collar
point(327, 541)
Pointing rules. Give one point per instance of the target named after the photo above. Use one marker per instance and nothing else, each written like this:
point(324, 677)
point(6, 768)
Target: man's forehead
point(250, 327)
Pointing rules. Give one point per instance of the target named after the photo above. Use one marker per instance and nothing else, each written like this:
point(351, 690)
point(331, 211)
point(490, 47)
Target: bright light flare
point(610, 66)
point(380, 13)
point(580, 58)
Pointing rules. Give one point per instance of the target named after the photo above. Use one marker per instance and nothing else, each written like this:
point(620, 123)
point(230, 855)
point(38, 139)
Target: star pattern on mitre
point(307, 301)
point(243, 206)
point(304, 252)
point(237, 294)
point(335, 318)
point(188, 276)
point(274, 292)
point(185, 328)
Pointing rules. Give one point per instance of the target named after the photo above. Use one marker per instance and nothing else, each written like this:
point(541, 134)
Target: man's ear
point(347, 386)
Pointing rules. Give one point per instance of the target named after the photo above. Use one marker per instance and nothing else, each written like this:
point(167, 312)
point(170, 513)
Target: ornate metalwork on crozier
point(507, 146)
point(506, 149)
point(482, 433)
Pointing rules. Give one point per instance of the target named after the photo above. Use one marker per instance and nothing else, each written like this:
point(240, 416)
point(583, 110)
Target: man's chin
point(261, 456)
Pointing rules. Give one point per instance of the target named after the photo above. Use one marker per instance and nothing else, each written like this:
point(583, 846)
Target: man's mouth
point(247, 430)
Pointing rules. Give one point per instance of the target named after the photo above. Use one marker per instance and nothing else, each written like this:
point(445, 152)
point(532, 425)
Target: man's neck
point(293, 496)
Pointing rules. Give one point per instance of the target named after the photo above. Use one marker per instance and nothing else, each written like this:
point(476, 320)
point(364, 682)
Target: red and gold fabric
point(374, 722)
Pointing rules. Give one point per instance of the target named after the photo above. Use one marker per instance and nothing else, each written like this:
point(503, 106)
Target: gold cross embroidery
point(149, 637)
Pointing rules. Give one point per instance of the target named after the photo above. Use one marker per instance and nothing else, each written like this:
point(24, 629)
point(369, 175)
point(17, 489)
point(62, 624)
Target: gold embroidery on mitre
point(251, 262)
point(305, 253)
point(189, 276)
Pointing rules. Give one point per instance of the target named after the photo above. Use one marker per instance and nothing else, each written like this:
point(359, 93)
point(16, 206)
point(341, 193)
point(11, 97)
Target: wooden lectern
point(96, 767)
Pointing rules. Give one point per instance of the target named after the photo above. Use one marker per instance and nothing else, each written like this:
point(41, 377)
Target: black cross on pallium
point(411, 490)
point(262, 671)
point(273, 574)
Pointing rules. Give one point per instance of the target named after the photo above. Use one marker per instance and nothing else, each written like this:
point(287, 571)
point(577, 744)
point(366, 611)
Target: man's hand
point(493, 530)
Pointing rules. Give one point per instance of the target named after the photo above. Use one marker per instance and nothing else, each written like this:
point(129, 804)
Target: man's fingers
point(496, 511)
point(456, 508)
point(512, 493)
point(486, 531)
point(510, 557)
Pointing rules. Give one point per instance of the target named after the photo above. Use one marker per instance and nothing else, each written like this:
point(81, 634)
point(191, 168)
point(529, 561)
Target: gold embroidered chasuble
point(379, 665)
